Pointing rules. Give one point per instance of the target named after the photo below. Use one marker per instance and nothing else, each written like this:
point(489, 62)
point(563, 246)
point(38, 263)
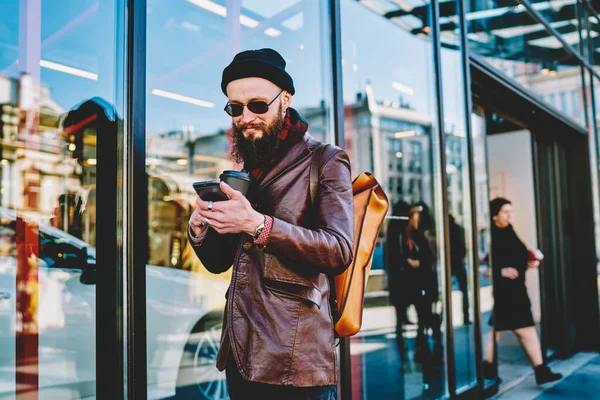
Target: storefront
point(111, 109)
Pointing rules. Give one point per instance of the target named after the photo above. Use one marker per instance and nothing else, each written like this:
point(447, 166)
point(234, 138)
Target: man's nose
point(247, 116)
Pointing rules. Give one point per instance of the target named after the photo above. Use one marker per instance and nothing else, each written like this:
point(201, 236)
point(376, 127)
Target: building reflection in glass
point(389, 129)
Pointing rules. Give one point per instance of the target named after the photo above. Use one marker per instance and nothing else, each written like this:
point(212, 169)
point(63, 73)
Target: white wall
point(510, 169)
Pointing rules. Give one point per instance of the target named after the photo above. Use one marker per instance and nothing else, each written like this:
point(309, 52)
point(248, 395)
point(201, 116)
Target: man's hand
point(533, 264)
point(413, 263)
point(235, 215)
point(196, 220)
point(510, 273)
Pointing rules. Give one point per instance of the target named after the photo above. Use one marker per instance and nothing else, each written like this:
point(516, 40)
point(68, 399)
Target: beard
point(257, 152)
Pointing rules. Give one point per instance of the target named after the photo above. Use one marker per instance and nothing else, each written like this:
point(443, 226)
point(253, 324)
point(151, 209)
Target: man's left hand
point(235, 215)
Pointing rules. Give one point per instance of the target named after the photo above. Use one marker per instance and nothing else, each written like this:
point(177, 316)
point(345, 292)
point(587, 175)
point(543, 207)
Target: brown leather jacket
point(278, 323)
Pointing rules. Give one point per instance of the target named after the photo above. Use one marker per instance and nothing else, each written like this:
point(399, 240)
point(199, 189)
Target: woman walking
point(512, 308)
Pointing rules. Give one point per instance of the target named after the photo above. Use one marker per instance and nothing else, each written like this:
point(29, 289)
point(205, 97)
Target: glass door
point(566, 214)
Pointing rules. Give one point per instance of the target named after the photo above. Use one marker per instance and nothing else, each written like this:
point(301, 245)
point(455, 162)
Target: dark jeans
point(239, 388)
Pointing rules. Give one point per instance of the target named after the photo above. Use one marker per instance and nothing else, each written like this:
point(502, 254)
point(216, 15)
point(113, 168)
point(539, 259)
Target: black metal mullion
point(109, 271)
point(110, 363)
point(593, 122)
point(580, 14)
point(136, 220)
point(437, 60)
point(336, 62)
point(338, 127)
point(478, 342)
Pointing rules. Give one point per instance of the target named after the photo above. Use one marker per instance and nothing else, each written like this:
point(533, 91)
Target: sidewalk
point(581, 381)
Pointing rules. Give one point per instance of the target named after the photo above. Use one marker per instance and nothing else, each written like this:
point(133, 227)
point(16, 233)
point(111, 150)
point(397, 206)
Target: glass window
point(61, 87)
point(508, 38)
point(403, 319)
point(189, 43)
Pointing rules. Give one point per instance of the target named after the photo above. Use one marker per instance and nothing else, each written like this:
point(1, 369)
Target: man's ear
point(286, 99)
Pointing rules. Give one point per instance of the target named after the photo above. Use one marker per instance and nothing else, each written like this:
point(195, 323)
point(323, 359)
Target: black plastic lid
point(236, 174)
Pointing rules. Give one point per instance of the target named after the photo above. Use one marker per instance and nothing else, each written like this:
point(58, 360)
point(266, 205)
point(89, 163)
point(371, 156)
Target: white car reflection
point(184, 312)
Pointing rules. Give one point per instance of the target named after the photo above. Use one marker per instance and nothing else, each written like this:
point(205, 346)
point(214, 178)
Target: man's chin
point(253, 134)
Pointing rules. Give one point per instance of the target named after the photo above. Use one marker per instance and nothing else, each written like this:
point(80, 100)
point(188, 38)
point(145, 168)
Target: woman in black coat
point(512, 307)
point(411, 277)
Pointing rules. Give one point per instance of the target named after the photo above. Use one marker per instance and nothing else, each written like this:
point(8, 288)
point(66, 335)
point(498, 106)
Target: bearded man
point(278, 330)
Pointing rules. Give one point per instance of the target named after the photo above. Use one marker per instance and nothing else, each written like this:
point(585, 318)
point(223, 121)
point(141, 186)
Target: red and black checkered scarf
point(294, 128)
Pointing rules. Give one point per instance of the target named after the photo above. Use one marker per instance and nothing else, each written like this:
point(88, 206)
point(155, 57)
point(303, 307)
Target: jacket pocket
point(307, 293)
point(279, 278)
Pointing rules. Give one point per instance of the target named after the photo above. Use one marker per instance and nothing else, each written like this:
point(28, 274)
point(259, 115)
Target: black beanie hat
point(262, 63)
point(497, 204)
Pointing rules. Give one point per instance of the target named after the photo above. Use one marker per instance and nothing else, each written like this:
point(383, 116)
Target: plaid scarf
point(294, 128)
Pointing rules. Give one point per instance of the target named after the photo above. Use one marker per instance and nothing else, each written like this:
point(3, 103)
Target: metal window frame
point(336, 63)
point(121, 291)
point(477, 340)
point(441, 147)
point(136, 200)
point(110, 280)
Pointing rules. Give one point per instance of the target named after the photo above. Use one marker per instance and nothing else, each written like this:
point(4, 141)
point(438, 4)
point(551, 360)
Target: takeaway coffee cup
point(239, 181)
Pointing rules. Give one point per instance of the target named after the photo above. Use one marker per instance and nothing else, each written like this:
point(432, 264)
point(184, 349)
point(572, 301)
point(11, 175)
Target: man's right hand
point(196, 222)
point(510, 273)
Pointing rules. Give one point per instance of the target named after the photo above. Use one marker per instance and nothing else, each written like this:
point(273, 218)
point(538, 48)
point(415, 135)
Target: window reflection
point(58, 92)
point(189, 42)
point(509, 39)
point(389, 112)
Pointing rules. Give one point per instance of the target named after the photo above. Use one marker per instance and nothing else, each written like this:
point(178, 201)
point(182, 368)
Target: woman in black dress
point(412, 280)
point(512, 308)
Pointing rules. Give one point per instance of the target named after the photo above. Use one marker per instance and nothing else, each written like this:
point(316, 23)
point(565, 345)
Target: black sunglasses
point(257, 107)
